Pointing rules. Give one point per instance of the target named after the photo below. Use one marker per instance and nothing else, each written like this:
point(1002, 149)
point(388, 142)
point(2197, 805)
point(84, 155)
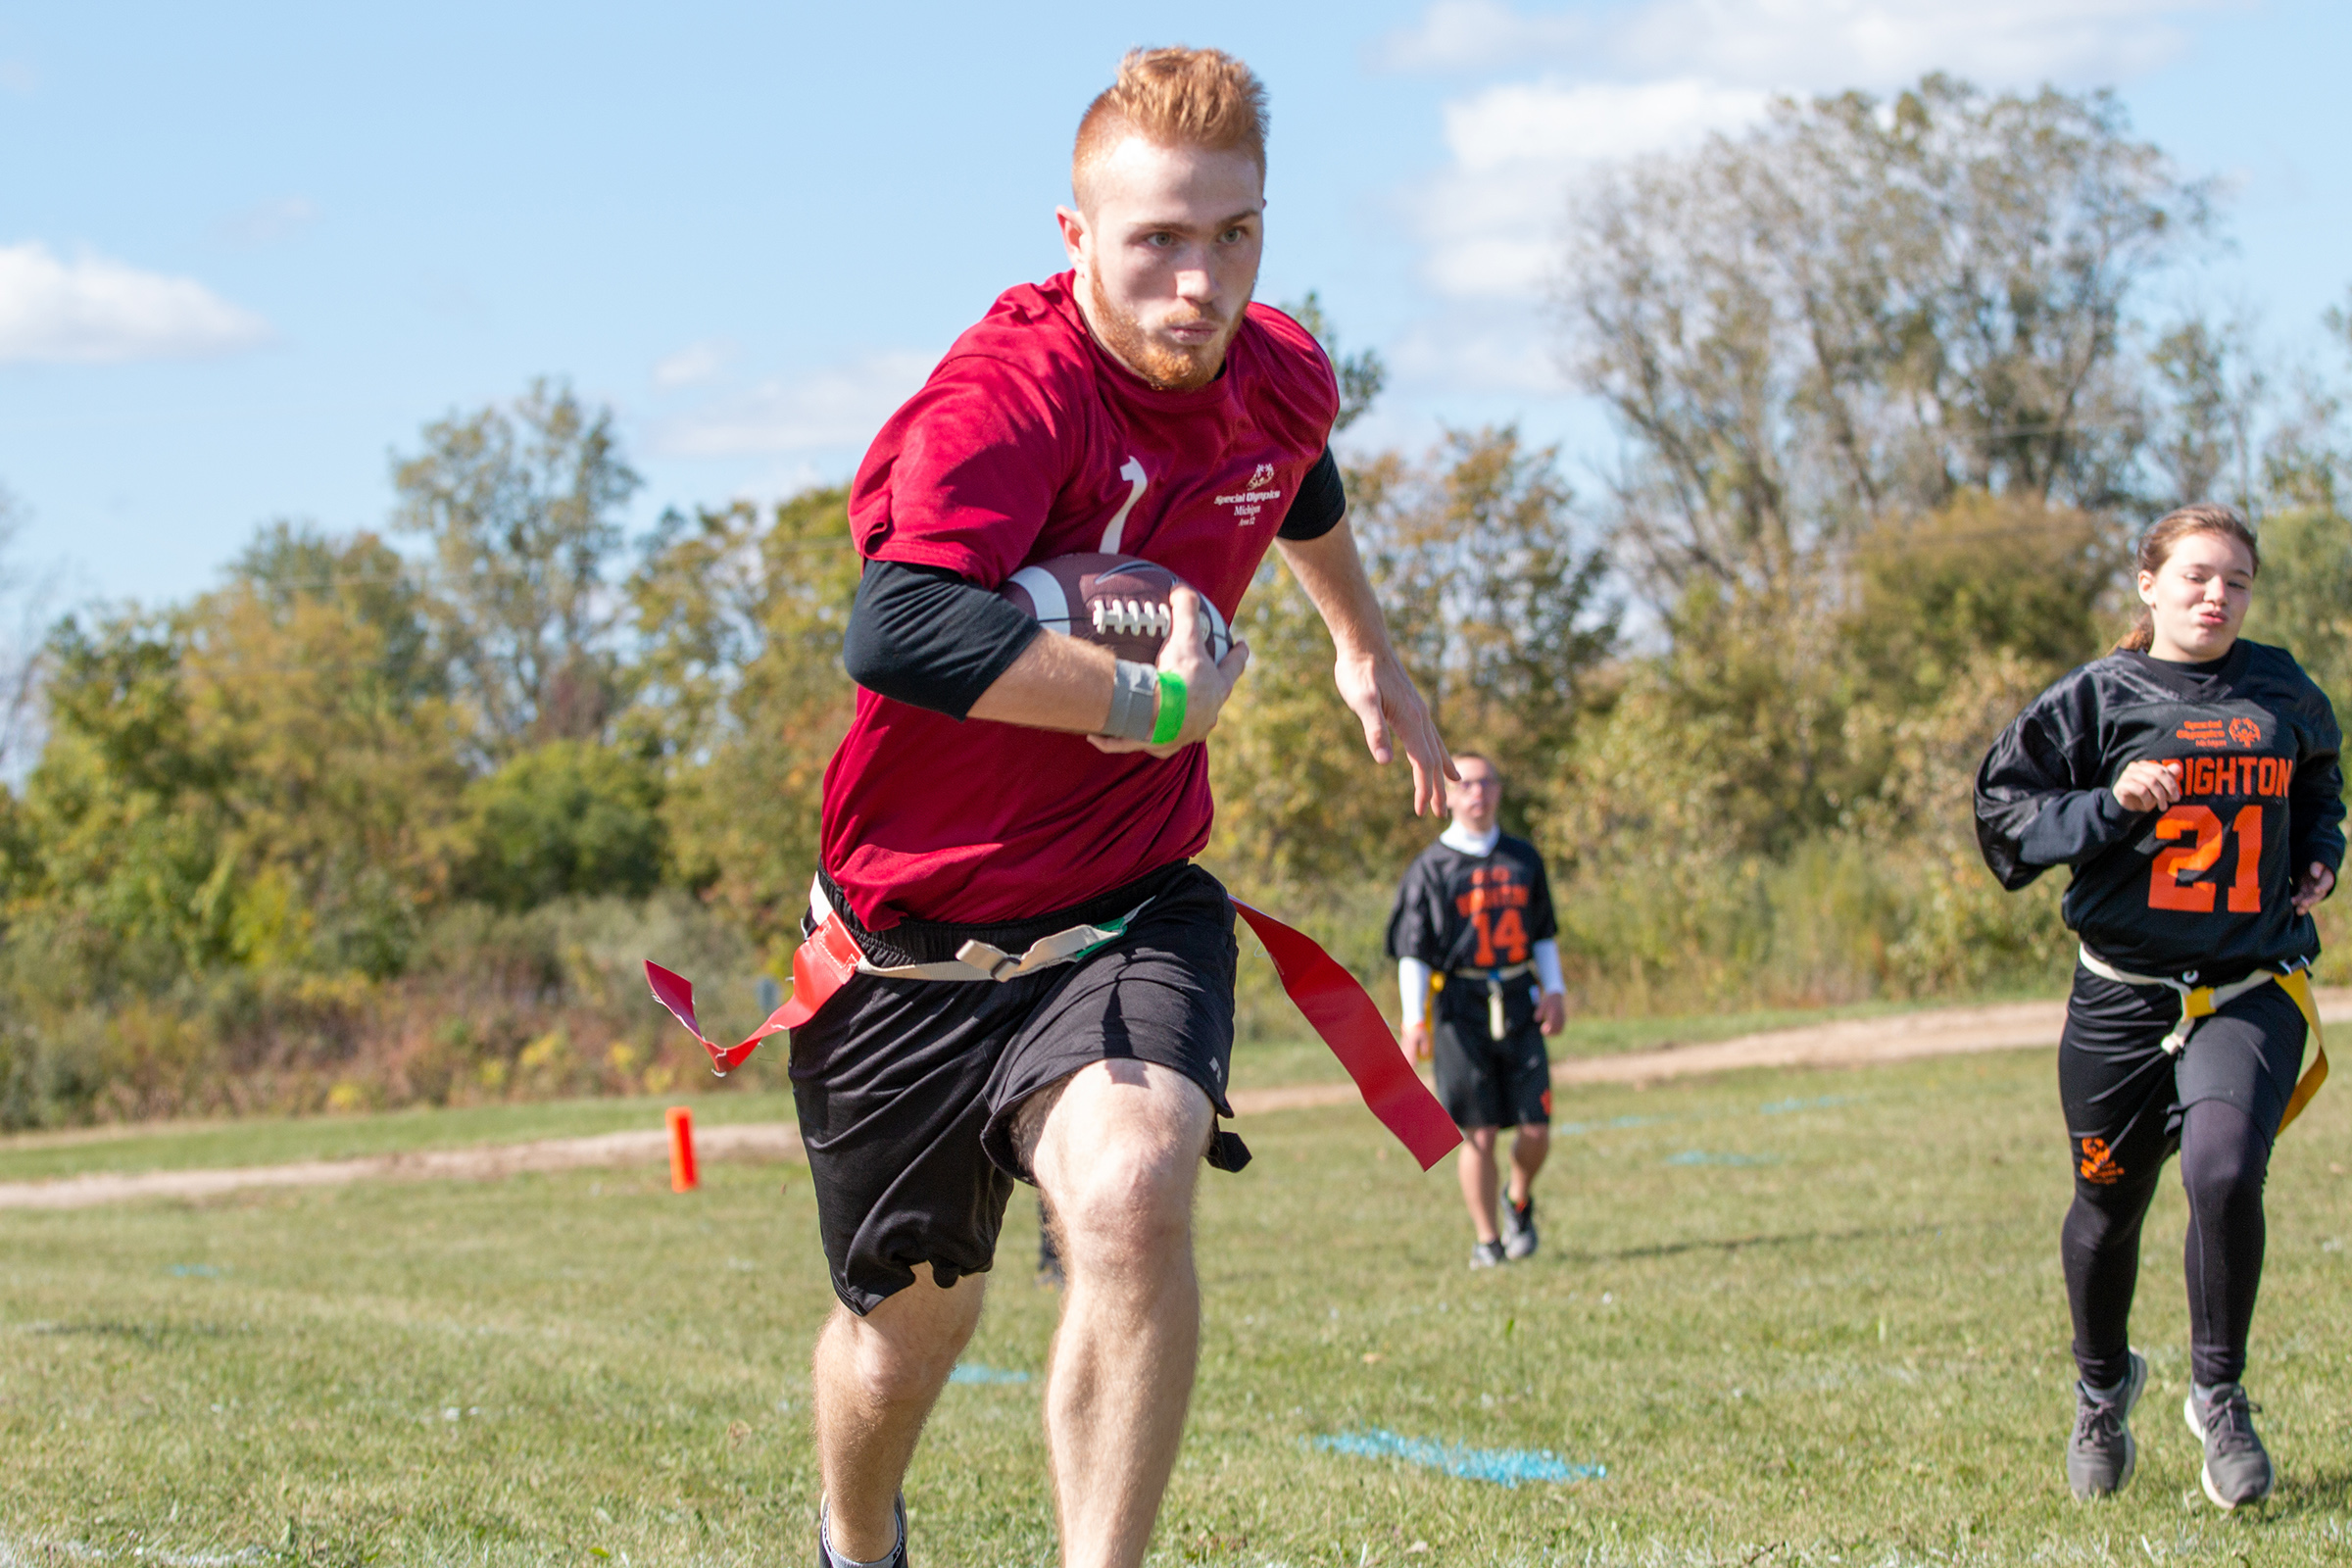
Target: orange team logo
point(2098, 1166)
point(2243, 731)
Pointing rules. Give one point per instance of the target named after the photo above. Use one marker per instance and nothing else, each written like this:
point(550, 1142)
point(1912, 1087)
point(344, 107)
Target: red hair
point(1174, 98)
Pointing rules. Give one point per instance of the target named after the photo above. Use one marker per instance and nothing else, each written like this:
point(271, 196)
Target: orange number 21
point(2166, 890)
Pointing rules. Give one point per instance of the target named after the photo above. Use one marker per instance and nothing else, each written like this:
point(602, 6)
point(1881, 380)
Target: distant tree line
point(386, 818)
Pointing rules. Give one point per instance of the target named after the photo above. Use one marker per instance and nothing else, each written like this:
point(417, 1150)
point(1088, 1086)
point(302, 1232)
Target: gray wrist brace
point(1134, 701)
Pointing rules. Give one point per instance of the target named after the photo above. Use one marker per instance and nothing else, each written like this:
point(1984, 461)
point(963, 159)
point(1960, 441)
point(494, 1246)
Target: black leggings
point(2223, 1157)
point(2127, 1106)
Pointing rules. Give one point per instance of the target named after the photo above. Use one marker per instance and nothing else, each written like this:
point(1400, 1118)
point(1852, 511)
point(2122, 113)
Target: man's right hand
point(1208, 682)
point(1416, 1042)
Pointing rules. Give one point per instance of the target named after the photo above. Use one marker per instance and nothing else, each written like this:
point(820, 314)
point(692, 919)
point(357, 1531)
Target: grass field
point(1799, 1318)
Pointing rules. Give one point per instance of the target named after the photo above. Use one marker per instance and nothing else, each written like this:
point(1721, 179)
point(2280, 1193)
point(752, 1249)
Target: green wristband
point(1171, 723)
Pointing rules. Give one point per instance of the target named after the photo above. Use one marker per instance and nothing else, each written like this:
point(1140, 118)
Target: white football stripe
point(1053, 606)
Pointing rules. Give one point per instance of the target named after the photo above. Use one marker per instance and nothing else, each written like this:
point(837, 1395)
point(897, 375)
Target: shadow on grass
point(1727, 1245)
point(2328, 1489)
point(150, 1335)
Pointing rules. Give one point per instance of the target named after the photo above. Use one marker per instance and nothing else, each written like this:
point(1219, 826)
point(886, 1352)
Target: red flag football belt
point(1332, 999)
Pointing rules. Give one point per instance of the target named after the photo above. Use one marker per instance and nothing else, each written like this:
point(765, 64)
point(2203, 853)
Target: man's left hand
point(1551, 1012)
point(1382, 695)
point(2316, 884)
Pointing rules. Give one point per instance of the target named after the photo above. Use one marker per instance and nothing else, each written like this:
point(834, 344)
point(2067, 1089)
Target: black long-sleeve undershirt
point(927, 637)
point(934, 639)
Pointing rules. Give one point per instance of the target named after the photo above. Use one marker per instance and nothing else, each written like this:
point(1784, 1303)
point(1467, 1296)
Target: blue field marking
point(1505, 1467)
point(195, 1271)
point(1782, 1108)
point(1700, 1157)
point(1576, 1129)
point(974, 1372)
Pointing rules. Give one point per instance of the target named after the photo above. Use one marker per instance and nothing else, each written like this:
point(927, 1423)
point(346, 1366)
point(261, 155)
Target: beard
point(1164, 367)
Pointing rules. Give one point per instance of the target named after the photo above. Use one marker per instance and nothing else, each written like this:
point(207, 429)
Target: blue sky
point(247, 250)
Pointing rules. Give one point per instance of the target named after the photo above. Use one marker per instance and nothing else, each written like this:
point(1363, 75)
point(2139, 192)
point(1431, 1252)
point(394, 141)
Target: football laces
point(1132, 618)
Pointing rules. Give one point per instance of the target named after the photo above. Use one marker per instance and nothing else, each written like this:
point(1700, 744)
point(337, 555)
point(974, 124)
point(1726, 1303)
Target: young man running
point(1136, 404)
point(1474, 919)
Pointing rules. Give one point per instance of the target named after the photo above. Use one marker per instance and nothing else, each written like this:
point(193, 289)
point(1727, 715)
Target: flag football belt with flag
point(2204, 1001)
point(1495, 979)
point(1333, 1001)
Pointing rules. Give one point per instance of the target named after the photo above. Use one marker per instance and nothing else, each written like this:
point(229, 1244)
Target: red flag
point(1359, 1036)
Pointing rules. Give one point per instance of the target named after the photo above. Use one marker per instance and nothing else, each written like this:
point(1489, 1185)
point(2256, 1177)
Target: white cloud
point(268, 223)
point(1811, 45)
point(1491, 223)
point(695, 363)
point(1467, 35)
point(1555, 123)
point(842, 406)
point(1830, 45)
point(93, 310)
point(1655, 75)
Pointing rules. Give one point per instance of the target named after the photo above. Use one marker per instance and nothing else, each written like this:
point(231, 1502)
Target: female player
point(2192, 781)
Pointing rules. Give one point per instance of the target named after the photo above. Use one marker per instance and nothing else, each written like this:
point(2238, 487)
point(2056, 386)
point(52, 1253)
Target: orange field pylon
point(681, 1149)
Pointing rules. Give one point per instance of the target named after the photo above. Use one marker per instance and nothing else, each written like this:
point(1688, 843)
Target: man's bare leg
point(876, 1378)
point(1475, 1165)
point(1117, 1155)
point(1527, 1150)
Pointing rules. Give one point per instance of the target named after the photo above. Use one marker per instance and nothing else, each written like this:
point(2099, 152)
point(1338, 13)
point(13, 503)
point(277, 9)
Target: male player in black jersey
point(1473, 920)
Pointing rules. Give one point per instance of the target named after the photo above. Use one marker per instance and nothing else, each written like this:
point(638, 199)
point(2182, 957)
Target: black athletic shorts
point(906, 1088)
point(2124, 1097)
point(1482, 1081)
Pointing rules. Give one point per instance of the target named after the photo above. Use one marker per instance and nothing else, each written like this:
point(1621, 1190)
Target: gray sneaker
point(1487, 1254)
point(2100, 1455)
point(2238, 1468)
point(1518, 1228)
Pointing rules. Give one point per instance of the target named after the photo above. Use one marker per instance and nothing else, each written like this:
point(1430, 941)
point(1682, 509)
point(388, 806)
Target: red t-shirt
point(1030, 441)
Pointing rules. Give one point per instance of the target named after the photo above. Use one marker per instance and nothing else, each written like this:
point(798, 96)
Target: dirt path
point(1849, 1043)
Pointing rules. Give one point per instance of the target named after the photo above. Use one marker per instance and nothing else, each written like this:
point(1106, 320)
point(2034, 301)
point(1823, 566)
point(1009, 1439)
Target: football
point(1116, 601)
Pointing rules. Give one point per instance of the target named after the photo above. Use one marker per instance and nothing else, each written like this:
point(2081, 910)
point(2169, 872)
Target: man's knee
point(1480, 1139)
point(906, 1346)
point(1118, 1157)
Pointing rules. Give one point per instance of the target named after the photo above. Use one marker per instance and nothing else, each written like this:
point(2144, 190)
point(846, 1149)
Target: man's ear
point(1074, 233)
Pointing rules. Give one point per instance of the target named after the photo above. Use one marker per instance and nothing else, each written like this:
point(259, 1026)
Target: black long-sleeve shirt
point(2204, 886)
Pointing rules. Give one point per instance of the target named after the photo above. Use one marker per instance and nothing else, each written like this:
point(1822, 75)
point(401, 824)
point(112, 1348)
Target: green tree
point(740, 618)
point(255, 781)
point(568, 819)
point(522, 506)
point(1858, 310)
point(1361, 375)
point(2303, 597)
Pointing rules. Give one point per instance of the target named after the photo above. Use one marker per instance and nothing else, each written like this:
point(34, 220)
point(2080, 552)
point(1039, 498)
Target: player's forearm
point(1412, 990)
point(1057, 683)
point(1332, 572)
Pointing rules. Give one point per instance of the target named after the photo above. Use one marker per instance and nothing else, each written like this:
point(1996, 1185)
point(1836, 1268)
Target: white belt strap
point(2221, 996)
point(981, 960)
point(1511, 973)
